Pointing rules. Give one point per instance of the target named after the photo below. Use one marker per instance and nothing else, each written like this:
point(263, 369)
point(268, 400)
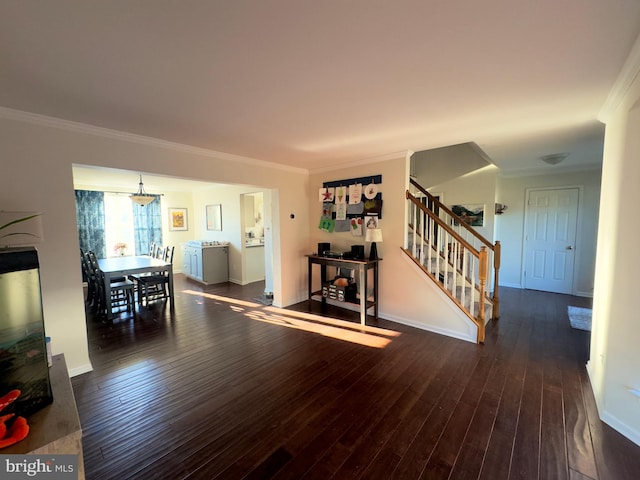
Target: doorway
point(550, 239)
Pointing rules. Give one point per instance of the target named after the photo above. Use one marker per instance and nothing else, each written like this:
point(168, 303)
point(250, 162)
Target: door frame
point(579, 220)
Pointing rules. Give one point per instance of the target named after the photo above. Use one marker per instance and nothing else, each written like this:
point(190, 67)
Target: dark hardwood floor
point(226, 388)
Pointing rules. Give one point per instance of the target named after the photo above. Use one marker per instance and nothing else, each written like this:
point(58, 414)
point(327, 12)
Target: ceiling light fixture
point(141, 197)
point(554, 158)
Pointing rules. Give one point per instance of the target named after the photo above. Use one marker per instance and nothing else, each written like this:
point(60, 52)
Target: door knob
point(569, 247)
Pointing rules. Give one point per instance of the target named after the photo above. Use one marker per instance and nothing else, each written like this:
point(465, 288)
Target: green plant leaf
point(23, 219)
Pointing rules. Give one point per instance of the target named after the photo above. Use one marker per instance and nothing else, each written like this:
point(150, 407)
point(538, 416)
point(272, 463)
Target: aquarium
point(23, 353)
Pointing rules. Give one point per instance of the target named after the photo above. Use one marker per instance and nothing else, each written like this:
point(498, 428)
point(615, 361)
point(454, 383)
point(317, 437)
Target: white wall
point(242, 260)
point(405, 295)
point(615, 338)
point(37, 154)
point(439, 165)
point(475, 188)
point(511, 191)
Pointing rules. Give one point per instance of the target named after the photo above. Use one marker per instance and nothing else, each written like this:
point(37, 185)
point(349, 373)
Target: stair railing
point(471, 236)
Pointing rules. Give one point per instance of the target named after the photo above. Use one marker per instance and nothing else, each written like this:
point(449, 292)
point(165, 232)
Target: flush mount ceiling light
point(141, 197)
point(554, 158)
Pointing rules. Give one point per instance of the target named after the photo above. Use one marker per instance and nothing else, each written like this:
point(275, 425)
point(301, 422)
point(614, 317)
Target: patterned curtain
point(147, 225)
point(90, 218)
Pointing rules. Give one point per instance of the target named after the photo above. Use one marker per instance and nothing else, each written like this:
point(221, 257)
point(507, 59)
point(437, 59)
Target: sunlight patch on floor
point(366, 335)
point(221, 298)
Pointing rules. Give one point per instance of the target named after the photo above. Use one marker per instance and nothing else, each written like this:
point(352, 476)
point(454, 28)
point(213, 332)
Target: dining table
point(124, 266)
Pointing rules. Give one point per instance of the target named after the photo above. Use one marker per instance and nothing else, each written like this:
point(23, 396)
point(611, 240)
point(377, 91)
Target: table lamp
point(373, 235)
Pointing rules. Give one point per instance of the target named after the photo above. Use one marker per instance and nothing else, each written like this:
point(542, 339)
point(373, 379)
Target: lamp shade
point(141, 197)
point(143, 200)
point(20, 228)
point(373, 235)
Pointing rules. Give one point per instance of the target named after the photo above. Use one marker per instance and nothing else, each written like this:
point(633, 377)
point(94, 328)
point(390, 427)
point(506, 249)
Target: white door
point(550, 239)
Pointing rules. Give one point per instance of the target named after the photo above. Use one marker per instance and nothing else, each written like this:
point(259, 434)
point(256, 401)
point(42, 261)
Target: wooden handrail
point(450, 213)
point(443, 224)
point(477, 278)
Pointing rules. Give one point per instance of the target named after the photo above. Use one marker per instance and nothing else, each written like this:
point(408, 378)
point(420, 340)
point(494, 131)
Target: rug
point(580, 318)
point(265, 300)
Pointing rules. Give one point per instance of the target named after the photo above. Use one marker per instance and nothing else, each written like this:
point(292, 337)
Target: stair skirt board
point(472, 332)
point(488, 309)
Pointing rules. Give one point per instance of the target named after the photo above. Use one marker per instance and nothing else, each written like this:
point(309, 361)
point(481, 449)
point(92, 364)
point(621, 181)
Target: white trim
point(429, 328)
point(621, 427)
point(627, 75)
point(44, 120)
point(74, 372)
point(361, 162)
point(584, 294)
point(608, 418)
point(511, 285)
point(545, 171)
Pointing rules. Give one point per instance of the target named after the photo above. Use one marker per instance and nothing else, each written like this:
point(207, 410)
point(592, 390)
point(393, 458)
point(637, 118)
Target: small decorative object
point(326, 194)
point(371, 191)
point(355, 193)
point(372, 222)
point(19, 429)
point(500, 208)
point(178, 219)
point(373, 235)
point(356, 226)
point(120, 248)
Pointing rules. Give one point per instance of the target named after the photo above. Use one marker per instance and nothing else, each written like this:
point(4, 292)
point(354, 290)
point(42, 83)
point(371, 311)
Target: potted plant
point(14, 221)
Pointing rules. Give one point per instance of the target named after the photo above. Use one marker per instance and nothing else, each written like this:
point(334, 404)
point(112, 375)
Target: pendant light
point(141, 197)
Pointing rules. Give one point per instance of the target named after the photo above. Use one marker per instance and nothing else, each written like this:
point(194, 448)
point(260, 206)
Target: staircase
point(460, 261)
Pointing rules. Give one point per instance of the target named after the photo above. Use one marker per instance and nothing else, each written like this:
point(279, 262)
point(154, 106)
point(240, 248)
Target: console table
point(361, 268)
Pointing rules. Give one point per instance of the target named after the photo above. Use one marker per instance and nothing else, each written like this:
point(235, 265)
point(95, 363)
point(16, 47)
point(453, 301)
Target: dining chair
point(154, 286)
point(91, 299)
point(120, 289)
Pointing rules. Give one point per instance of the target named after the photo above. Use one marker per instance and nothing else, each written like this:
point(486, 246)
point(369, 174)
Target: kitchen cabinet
point(206, 263)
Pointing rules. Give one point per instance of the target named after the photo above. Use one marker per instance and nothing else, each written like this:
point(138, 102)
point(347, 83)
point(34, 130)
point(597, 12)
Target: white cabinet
point(206, 264)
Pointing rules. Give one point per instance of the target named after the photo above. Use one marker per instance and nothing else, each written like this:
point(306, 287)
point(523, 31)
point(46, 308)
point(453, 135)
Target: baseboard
point(607, 417)
point(511, 285)
point(584, 294)
point(621, 427)
point(429, 328)
point(74, 372)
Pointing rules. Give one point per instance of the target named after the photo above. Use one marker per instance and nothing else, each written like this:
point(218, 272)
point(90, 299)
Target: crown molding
point(361, 162)
point(627, 75)
point(38, 119)
point(549, 170)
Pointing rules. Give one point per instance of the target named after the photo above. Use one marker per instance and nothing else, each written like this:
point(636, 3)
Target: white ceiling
point(319, 83)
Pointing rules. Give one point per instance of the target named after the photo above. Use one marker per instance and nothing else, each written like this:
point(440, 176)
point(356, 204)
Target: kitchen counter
point(254, 242)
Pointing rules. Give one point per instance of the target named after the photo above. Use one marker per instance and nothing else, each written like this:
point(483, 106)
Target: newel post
point(483, 269)
point(497, 251)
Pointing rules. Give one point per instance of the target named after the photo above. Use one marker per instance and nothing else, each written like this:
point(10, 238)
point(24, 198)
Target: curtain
point(90, 218)
point(147, 225)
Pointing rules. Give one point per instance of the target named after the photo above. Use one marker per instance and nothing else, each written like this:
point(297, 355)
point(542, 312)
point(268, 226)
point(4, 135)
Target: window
point(119, 234)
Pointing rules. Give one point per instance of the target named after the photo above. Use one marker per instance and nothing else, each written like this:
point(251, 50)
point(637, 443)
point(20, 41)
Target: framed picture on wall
point(178, 219)
point(472, 215)
point(214, 217)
